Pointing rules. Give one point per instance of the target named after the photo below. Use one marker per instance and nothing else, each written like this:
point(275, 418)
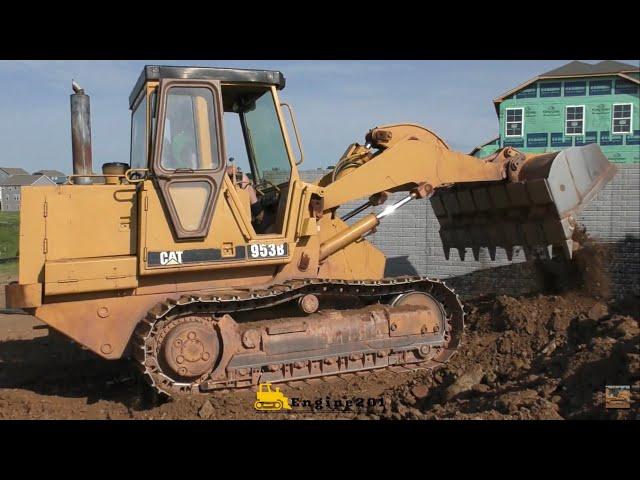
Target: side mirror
point(295, 131)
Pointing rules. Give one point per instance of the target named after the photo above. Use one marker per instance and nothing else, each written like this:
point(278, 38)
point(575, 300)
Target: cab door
point(274, 178)
point(179, 199)
point(188, 160)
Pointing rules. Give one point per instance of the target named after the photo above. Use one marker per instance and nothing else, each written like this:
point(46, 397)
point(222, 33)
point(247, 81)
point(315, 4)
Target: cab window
point(139, 135)
point(189, 136)
point(266, 141)
point(259, 162)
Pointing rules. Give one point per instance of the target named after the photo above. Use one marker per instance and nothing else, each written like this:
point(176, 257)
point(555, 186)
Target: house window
point(622, 118)
point(575, 89)
point(600, 87)
point(550, 89)
point(515, 122)
point(574, 120)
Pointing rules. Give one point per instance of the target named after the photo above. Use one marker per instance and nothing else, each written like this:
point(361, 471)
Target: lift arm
point(508, 199)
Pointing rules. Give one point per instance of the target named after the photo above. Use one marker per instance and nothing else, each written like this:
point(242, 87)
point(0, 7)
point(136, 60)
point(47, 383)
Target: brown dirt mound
point(536, 357)
point(542, 357)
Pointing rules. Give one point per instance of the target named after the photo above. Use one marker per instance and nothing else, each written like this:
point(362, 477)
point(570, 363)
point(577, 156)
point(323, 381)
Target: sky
point(335, 103)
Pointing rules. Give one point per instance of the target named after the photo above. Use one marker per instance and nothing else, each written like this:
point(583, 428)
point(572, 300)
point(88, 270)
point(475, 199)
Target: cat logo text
point(171, 258)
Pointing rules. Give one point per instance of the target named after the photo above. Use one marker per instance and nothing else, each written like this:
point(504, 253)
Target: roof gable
point(43, 180)
point(611, 66)
point(571, 68)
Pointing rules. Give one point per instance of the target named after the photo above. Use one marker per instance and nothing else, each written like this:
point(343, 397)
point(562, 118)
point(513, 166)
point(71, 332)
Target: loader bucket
point(538, 212)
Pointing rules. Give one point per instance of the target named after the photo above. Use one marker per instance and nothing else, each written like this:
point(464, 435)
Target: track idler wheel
point(436, 319)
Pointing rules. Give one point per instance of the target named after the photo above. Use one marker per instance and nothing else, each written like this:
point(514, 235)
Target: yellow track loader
point(210, 277)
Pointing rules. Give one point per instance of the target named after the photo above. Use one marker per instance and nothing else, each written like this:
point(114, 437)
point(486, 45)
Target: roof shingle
point(577, 69)
point(50, 173)
point(22, 180)
point(14, 171)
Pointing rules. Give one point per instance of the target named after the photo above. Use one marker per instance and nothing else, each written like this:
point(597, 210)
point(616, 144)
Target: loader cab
point(196, 131)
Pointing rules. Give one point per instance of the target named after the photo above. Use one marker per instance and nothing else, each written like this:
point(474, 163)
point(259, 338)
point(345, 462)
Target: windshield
point(266, 140)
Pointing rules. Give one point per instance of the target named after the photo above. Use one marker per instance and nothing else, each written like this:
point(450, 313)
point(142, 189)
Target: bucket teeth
point(509, 251)
point(447, 251)
point(492, 252)
point(568, 248)
point(476, 253)
point(461, 253)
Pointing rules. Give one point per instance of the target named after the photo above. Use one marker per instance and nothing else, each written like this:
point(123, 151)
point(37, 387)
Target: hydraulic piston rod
point(358, 229)
point(392, 208)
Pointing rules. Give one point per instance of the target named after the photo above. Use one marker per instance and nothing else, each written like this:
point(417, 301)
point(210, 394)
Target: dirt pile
point(542, 357)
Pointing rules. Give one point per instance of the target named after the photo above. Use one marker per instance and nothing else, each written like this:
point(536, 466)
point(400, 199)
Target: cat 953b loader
point(209, 277)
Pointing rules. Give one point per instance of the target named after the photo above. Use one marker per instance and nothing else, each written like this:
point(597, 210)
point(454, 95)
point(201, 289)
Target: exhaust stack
point(81, 134)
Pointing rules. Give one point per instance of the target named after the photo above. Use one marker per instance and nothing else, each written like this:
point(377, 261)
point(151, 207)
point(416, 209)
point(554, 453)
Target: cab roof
point(156, 72)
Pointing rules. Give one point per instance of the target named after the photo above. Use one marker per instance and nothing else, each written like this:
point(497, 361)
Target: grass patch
point(9, 230)
point(8, 271)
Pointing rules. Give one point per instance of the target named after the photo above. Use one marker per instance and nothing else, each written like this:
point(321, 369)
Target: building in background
point(574, 105)
point(12, 185)
point(6, 172)
point(486, 149)
point(55, 175)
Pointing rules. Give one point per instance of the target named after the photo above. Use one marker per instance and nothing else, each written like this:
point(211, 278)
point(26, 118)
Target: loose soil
point(536, 357)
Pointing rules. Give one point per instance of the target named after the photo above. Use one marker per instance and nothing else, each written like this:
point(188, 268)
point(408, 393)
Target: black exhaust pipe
point(81, 135)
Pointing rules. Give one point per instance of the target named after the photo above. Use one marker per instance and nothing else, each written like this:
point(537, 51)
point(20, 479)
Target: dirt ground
point(543, 356)
point(536, 357)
